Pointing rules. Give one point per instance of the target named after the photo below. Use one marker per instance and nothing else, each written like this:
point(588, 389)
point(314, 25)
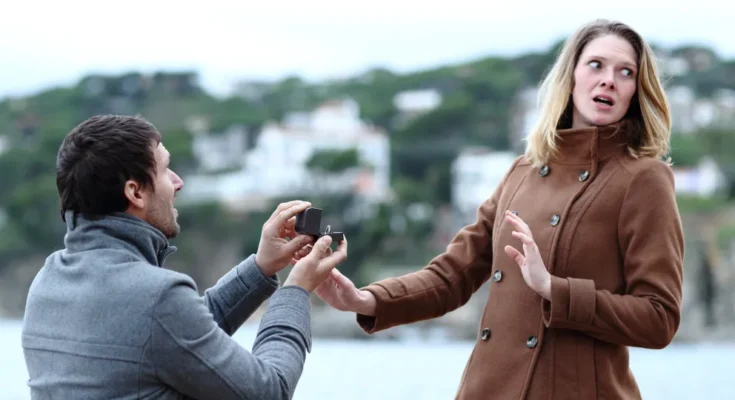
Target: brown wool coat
point(608, 228)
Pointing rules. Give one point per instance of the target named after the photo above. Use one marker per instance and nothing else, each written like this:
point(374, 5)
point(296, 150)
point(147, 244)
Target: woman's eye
point(627, 72)
point(594, 64)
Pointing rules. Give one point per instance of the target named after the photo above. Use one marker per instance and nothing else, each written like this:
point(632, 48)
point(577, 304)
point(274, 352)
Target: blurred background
point(396, 118)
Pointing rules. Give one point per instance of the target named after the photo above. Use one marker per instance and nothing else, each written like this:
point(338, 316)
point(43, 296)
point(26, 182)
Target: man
point(104, 320)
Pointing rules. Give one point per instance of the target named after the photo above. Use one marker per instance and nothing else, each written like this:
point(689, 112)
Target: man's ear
point(135, 195)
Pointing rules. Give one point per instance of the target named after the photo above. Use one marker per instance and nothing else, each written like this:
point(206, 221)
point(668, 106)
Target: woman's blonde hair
point(648, 112)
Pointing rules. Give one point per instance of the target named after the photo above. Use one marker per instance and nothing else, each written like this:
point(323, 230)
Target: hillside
point(477, 108)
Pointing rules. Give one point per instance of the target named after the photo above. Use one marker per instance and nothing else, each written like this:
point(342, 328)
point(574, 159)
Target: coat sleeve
point(651, 243)
point(446, 283)
point(238, 294)
point(191, 354)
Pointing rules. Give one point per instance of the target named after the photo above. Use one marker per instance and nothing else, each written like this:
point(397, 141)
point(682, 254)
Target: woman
point(582, 239)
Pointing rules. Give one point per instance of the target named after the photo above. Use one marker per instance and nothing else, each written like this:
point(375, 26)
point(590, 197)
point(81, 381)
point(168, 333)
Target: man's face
point(159, 208)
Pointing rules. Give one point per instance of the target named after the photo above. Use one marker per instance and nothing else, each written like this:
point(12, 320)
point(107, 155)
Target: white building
point(334, 126)
point(411, 104)
point(524, 117)
point(4, 143)
point(688, 112)
point(703, 180)
point(476, 173)
point(417, 101)
point(277, 164)
point(220, 151)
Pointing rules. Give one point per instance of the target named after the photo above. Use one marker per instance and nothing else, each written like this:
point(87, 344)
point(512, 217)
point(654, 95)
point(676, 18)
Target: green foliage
point(690, 204)
point(720, 144)
point(476, 109)
point(333, 161)
point(178, 142)
point(687, 150)
point(726, 236)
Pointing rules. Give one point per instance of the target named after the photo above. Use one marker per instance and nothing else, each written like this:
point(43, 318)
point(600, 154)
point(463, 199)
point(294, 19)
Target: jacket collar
point(117, 231)
point(582, 145)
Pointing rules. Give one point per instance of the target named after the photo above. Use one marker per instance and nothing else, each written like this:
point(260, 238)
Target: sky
point(44, 44)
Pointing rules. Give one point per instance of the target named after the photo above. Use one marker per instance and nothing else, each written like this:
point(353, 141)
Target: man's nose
point(177, 181)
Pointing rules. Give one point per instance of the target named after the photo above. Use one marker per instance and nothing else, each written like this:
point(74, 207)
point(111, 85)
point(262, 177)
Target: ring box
point(308, 222)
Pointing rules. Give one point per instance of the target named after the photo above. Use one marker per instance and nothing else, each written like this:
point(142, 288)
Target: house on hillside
point(524, 115)
point(411, 104)
point(703, 180)
point(220, 151)
point(476, 173)
point(333, 126)
point(276, 165)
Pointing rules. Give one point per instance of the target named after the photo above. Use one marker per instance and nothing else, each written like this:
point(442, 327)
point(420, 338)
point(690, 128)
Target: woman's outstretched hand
point(339, 292)
point(534, 271)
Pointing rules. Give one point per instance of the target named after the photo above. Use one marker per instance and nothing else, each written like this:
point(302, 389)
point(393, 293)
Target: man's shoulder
point(96, 277)
point(151, 280)
point(97, 301)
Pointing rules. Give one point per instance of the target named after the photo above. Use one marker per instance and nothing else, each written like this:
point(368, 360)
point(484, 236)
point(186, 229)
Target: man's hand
point(278, 240)
point(311, 270)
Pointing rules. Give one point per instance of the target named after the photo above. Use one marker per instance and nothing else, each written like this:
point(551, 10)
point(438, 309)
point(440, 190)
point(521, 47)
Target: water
point(362, 370)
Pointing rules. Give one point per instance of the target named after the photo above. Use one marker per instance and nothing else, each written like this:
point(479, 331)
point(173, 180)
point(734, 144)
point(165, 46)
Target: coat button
point(485, 334)
point(531, 342)
point(584, 175)
point(498, 275)
point(555, 219)
point(544, 170)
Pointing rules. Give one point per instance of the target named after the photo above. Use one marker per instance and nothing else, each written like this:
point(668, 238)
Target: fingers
point(288, 228)
point(340, 279)
point(284, 216)
point(336, 257)
point(287, 205)
point(279, 220)
point(303, 252)
point(516, 255)
point(527, 240)
point(297, 245)
point(341, 251)
point(522, 231)
point(518, 223)
point(320, 248)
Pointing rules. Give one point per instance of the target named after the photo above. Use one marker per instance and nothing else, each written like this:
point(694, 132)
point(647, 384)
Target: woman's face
point(605, 80)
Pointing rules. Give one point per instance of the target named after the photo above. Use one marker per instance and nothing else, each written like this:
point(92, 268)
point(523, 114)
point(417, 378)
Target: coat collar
point(583, 145)
point(117, 231)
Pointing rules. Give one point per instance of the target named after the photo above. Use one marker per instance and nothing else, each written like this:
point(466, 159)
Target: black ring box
point(308, 222)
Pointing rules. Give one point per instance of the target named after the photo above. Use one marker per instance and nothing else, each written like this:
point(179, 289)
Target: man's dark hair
point(96, 159)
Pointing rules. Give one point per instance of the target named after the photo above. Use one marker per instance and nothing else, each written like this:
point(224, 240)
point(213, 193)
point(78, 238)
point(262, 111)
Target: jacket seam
point(150, 327)
point(582, 211)
point(140, 364)
point(623, 205)
point(203, 360)
point(230, 310)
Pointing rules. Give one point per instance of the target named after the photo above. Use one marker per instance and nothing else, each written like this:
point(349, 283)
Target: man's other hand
point(312, 269)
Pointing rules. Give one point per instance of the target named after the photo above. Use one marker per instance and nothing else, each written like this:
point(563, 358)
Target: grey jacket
point(104, 320)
